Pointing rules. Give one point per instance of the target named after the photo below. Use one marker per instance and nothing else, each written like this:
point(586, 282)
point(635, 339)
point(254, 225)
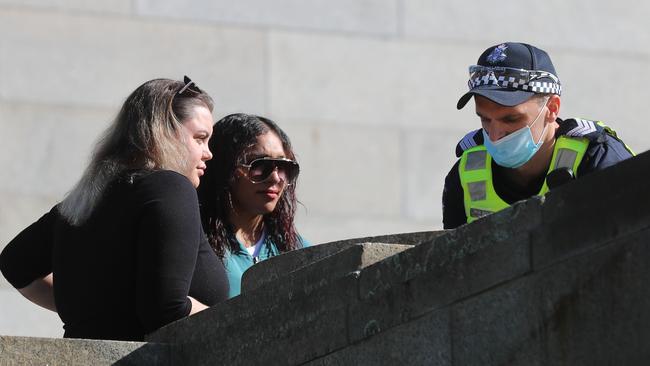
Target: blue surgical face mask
point(517, 148)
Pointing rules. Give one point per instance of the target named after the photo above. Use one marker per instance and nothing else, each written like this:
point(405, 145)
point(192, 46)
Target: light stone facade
point(365, 88)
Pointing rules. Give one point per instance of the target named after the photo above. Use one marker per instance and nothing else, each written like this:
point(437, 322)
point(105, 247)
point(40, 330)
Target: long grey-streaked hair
point(144, 135)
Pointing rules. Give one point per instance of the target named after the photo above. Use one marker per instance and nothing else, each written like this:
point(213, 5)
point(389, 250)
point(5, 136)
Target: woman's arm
point(26, 262)
point(41, 292)
point(168, 240)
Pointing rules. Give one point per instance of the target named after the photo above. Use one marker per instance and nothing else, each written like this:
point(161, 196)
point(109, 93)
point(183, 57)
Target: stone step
point(68, 351)
point(273, 268)
point(340, 258)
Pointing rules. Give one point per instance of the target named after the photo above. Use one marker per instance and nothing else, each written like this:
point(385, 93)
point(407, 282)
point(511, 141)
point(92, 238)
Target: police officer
point(523, 147)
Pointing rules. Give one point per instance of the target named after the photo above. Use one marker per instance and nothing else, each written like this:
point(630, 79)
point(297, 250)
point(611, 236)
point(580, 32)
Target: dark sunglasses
point(259, 170)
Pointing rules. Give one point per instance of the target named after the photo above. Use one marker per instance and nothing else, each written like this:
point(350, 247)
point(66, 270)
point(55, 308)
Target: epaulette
point(470, 140)
point(577, 127)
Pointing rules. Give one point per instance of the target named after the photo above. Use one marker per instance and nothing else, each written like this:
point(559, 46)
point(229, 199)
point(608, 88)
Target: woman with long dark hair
point(248, 194)
point(124, 253)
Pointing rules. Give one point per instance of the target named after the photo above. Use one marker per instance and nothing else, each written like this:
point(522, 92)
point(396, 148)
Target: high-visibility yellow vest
point(475, 170)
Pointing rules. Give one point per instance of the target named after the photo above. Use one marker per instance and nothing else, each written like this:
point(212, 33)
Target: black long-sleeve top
point(129, 268)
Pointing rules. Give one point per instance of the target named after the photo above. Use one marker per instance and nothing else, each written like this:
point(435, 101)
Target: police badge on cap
point(498, 54)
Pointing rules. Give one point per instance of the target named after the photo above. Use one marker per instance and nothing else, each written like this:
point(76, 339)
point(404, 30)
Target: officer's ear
point(553, 105)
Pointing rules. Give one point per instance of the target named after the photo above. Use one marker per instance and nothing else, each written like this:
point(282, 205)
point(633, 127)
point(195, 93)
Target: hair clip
point(188, 84)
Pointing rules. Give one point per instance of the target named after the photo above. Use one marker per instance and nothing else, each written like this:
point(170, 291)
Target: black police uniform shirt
point(604, 150)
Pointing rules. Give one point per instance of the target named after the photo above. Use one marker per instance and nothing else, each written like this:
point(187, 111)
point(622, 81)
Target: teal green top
point(237, 262)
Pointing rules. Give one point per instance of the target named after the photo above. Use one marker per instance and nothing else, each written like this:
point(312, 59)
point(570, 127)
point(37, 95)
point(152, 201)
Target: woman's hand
point(196, 306)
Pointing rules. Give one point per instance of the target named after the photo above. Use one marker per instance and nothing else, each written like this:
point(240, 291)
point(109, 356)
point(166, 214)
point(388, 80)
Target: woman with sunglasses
point(124, 253)
point(248, 194)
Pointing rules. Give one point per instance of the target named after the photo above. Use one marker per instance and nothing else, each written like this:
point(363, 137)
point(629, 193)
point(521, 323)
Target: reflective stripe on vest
point(475, 170)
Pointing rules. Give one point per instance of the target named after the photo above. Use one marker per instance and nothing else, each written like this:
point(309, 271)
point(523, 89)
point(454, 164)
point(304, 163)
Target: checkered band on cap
point(541, 87)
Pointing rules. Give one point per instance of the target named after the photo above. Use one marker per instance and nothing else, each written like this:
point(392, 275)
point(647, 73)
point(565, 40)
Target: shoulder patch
point(578, 127)
point(595, 131)
point(582, 127)
point(470, 140)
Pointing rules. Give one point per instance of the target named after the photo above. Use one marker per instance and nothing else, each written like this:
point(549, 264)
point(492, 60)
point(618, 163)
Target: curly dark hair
point(232, 135)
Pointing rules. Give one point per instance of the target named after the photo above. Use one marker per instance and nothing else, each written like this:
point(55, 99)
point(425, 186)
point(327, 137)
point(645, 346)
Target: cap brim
point(505, 97)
